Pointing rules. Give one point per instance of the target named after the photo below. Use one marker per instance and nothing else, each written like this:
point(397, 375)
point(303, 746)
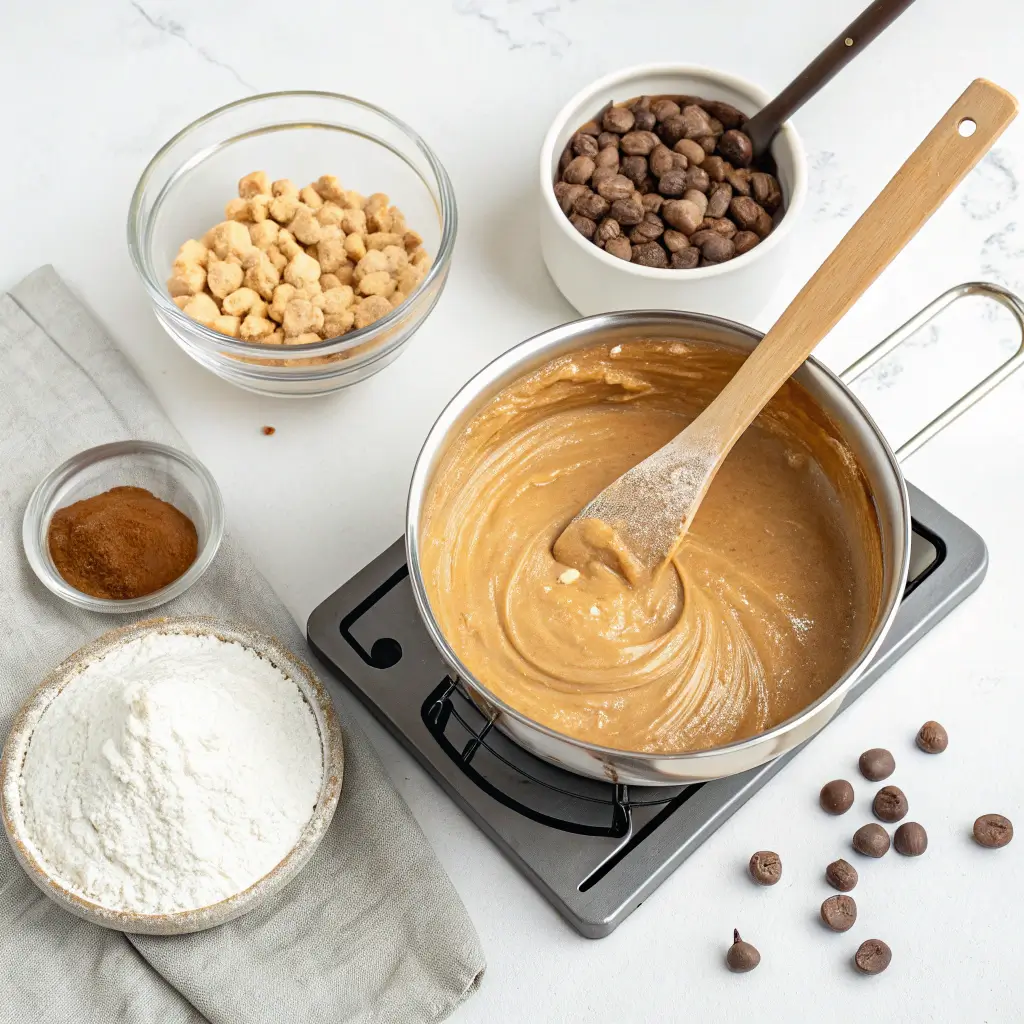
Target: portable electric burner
point(596, 850)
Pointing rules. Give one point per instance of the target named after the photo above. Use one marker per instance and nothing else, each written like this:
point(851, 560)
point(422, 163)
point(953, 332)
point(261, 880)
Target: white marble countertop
point(92, 91)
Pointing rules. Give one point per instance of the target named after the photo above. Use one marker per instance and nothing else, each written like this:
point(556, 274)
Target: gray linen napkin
point(371, 930)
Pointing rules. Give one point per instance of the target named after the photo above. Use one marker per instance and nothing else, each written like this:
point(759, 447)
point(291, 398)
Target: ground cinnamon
point(121, 544)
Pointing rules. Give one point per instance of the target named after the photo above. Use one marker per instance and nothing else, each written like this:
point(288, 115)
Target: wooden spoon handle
point(869, 24)
point(919, 187)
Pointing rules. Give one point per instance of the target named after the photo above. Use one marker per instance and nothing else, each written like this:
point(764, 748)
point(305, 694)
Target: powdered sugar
point(170, 774)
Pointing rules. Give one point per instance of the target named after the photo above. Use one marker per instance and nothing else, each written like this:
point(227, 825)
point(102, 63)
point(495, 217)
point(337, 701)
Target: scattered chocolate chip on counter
point(839, 913)
point(742, 956)
point(932, 738)
point(267, 431)
point(871, 840)
point(890, 804)
point(765, 867)
point(836, 797)
point(668, 182)
point(877, 764)
point(872, 957)
point(841, 875)
point(993, 831)
point(910, 839)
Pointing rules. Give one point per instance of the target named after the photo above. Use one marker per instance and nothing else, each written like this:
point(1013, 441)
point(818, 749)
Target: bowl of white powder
point(171, 775)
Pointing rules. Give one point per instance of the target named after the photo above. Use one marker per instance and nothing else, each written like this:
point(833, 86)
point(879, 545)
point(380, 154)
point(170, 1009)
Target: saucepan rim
point(589, 327)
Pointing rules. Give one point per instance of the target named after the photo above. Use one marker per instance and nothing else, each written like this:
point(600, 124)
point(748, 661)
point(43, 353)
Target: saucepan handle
point(915, 323)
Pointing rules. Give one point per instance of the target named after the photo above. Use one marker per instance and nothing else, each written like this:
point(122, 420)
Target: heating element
point(594, 849)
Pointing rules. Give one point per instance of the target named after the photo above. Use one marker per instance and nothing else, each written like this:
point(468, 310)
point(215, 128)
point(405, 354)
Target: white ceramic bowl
point(181, 922)
point(595, 282)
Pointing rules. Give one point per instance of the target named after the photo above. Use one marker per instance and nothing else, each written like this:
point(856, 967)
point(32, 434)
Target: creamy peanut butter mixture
point(766, 602)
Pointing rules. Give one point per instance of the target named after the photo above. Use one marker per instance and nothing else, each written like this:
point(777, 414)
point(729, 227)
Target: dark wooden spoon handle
point(766, 122)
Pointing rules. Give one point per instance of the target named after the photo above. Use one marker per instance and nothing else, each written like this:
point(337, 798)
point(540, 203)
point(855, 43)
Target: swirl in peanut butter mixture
point(767, 601)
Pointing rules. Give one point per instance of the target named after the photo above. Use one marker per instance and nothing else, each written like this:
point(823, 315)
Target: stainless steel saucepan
point(880, 465)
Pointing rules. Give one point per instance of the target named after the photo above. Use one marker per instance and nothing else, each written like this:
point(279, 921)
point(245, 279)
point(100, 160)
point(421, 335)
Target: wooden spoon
point(636, 522)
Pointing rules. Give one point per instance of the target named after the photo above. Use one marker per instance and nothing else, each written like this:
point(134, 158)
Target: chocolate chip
point(765, 867)
point(584, 145)
point(579, 170)
point(719, 198)
point(675, 241)
point(872, 957)
point(871, 840)
point(742, 956)
point(697, 177)
point(932, 738)
point(697, 122)
point(584, 225)
point(720, 225)
point(765, 189)
point(692, 151)
point(607, 157)
point(910, 839)
point(890, 804)
point(725, 112)
point(620, 247)
point(607, 230)
point(674, 183)
point(652, 202)
point(685, 259)
point(618, 186)
point(839, 913)
point(664, 108)
point(715, 248)
point(841, 875)
point(645, 120)
point(662, 160)
point(836, 797)
point(650, 254)
point(639, 143)
point(628, 212)
point(876, 764)
point(715, 166)
point(649, 229)
point(993, 831)
point(591, 205)
point(619, 120)
point(634, 168)
point(700, 201)
point(739, 178)
point(681, 214)
point(608, 140)
point(745, 241)
point(567, 195)
point(745, 212)
point(736, 147)
point(672, 129)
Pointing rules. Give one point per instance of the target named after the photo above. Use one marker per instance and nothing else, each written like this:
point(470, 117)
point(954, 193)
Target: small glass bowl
point(171, 475)
point(296, 135)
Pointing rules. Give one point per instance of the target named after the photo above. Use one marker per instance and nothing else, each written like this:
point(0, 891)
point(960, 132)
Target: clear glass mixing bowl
point(171, 475)
point(296, 135)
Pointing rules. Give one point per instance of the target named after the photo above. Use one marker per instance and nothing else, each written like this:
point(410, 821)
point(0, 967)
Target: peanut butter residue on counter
point(767, 601)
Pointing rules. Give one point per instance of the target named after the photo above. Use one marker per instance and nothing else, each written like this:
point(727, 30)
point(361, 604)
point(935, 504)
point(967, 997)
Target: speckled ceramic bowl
point(201, 918)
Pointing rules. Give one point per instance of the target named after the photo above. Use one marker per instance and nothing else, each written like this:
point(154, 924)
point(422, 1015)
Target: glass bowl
point(296, 135)
point(171, 475)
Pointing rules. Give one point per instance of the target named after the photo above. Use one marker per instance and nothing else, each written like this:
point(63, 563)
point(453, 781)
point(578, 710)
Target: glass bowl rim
point(42, 497)
point(223, 343)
